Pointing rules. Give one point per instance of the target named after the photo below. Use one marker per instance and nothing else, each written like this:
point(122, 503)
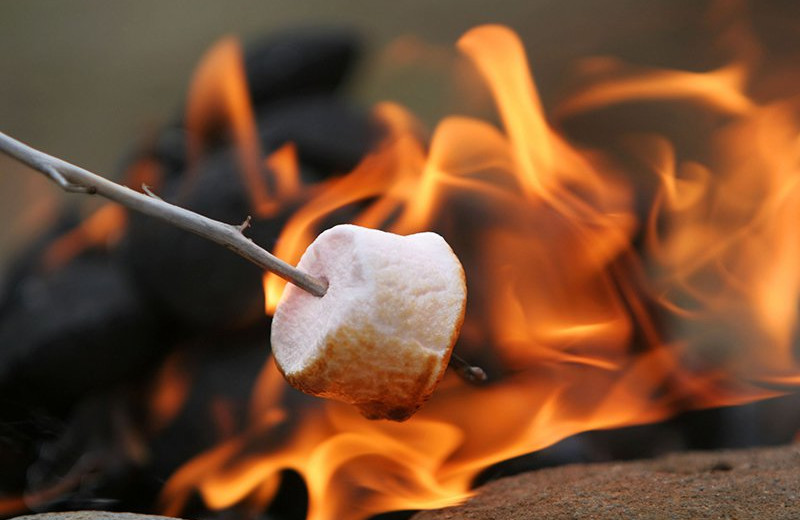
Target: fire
point(102, 228)
point(592, 330)
point(714, 255)
point(390, 174)
point(219, 98)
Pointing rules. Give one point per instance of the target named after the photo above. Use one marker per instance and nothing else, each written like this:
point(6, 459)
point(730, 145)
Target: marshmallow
point(381, 336)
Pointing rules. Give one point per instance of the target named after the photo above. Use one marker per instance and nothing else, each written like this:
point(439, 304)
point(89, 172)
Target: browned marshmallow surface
point(382, 335)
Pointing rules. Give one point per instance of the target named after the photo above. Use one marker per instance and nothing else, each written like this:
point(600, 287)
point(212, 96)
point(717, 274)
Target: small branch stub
point(146, 189)
point(470, 373)
point(244, 225)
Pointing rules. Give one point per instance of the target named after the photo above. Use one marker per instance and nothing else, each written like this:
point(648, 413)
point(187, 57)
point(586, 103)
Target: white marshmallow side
point(381, 336)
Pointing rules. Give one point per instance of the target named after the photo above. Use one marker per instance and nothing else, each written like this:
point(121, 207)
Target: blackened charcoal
point(23, 429)
point(331, 136)
point(162, 155)
point(202, 284)
point(288, 65)
point(168, 150)
point(291, 77)
point(117, 453)
point(190, 279)
point(28, 261)
point(96, 459)
point(299, 62)
point(72, 331)
point(222, 369)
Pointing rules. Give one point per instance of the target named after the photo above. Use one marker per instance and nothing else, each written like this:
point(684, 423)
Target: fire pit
point(631, 257)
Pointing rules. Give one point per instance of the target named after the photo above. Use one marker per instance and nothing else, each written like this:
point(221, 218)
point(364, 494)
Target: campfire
point(631, 257)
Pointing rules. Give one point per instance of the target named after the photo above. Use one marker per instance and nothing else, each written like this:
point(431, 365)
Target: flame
point(169, 392)
point(719, 89)
point(102, 228)
point(219, 96)
point(592, 332)
point(219, 99)
point(713, 254)
point(389, 174)
point(286, 167)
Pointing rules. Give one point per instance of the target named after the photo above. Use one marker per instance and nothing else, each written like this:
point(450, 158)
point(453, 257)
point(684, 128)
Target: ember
point(631, 253)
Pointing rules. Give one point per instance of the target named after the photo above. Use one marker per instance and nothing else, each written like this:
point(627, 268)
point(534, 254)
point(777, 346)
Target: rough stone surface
point(748, 484)
point(90, 515)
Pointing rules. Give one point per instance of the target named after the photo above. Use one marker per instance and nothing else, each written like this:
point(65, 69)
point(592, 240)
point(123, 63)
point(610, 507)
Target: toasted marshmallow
point(381, 336)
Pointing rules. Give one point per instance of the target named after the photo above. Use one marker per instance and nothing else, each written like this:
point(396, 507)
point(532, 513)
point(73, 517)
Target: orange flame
point(169, 393)
point(102, 228)
point(388, 174)
point(286, 167)
point(546, 230)
point(219, 96)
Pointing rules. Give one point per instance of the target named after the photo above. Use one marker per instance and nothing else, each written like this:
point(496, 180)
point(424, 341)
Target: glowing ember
point(593, 333)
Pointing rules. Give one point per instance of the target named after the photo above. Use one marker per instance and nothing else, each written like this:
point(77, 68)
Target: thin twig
point(470, 373)
point(72, 178)
point(149, 193)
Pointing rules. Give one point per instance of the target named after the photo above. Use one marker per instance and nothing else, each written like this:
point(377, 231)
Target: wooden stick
point(74, 179)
